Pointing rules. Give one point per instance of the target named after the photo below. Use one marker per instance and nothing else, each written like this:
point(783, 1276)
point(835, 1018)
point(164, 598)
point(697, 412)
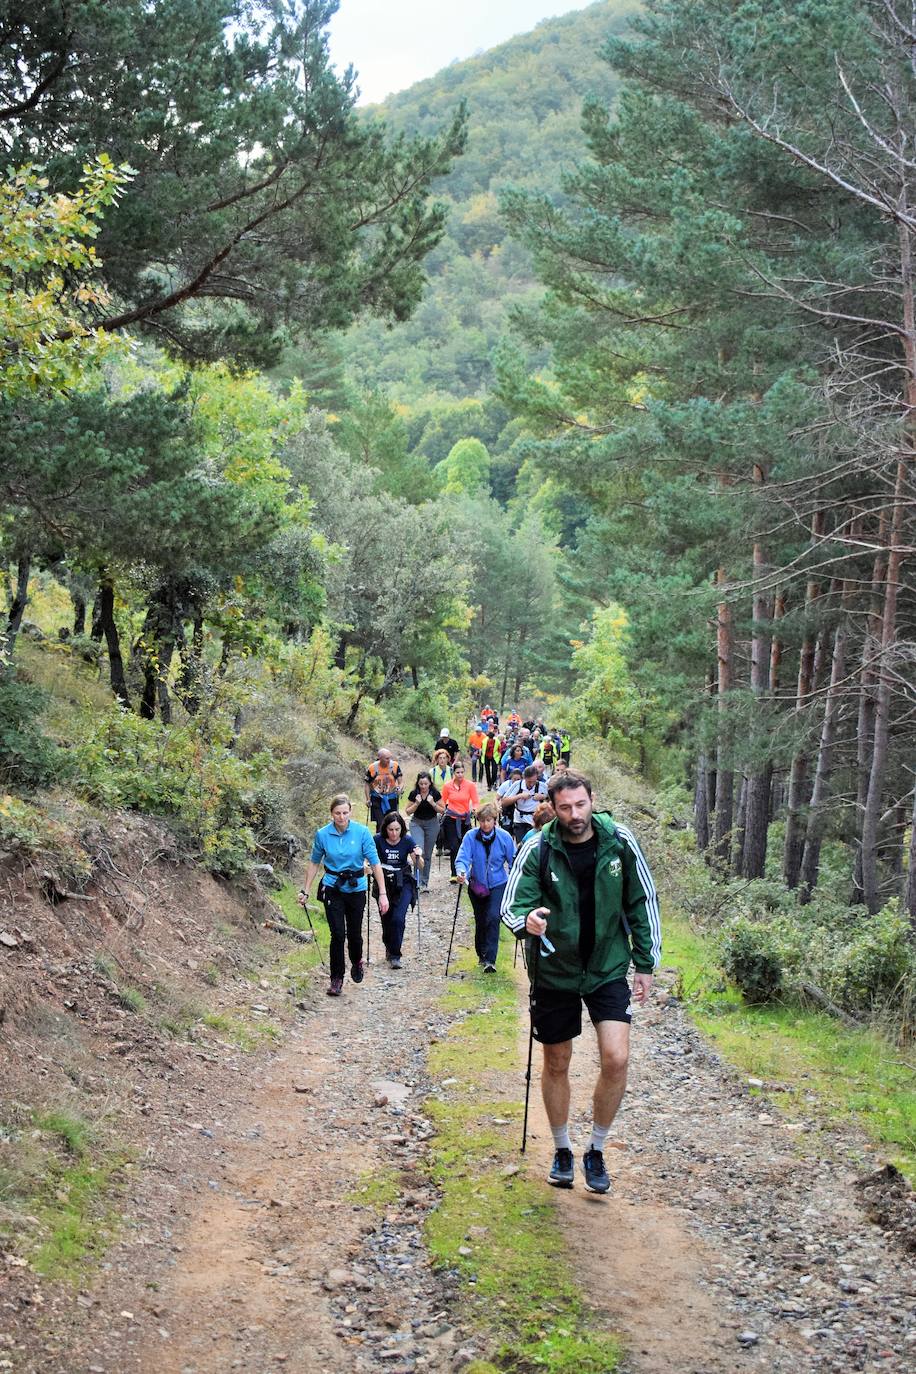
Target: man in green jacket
point(584, 884)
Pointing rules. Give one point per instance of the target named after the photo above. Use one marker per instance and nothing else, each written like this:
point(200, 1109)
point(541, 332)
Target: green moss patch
point(55, 1186)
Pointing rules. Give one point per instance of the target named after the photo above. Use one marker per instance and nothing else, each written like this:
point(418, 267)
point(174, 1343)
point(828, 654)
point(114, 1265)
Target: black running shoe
point(596, 1176)
point(357, 971)
point(563, 1172)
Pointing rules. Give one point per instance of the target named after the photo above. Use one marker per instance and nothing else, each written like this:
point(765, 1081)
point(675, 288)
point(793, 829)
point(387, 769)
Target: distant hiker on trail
point(342, 848)
point(397, 854)
point(584, 883)
point(460, 797)
point(515, 757)
point(442, 768)
point(446, 742)
point(425, 807)
point(523, 799)
point(512, 784)
point(565, 747)
point(548, 754)
point(475, 749)
point(383, 786)
point(492, 753)
point(483, 862)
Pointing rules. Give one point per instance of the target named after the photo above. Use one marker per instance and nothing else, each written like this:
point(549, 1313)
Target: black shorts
point(557, 1014)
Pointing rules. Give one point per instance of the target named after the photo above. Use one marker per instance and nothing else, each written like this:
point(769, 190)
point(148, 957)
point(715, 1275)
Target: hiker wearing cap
point(382, 785)
point(483, 862)
point(584, 884)
point(446, 742)
point(512, 784)
point(343, 848)
point(522, 799)
point(460, 798)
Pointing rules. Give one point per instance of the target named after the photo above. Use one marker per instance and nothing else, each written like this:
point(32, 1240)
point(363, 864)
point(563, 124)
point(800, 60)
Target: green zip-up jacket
point(627, 921)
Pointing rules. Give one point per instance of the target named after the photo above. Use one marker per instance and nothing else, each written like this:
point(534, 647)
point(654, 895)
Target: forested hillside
point(524, 102)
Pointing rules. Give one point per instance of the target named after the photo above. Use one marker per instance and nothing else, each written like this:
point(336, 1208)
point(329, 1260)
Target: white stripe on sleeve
point(515, 923)
point(645, 877)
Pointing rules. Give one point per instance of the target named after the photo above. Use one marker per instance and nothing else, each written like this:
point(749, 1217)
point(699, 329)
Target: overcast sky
point(393, 43)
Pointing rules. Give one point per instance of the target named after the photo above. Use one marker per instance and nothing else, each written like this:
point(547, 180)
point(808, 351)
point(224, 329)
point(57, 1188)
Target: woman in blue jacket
point(483, 862)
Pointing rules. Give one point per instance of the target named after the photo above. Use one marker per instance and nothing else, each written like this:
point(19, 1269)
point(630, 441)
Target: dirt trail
point(259, 1249)
point(732, 1239)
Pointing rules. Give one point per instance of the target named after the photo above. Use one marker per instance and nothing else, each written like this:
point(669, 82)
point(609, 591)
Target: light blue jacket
point(344, 850)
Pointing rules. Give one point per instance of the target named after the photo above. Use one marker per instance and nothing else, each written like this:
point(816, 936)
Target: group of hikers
point(566, 879)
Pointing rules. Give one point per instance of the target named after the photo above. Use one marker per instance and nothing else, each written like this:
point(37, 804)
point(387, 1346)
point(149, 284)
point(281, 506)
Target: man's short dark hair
point(567, 781)
point(531, 771)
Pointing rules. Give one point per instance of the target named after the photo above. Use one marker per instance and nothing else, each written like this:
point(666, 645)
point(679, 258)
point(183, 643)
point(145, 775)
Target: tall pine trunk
point(871, 817)
point(814, 830)
point(868, 676)
point(725, 778)
point(793, 845)
point(753, 854)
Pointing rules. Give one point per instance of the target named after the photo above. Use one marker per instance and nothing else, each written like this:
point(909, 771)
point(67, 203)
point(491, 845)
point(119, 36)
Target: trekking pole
point(543, 947)
point(454, 923)
point(368, 917)
point(308, 917)
point(418, 917)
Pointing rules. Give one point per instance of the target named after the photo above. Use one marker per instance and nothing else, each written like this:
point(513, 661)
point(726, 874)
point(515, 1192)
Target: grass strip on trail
point(824, 1070)
point(497, 1228)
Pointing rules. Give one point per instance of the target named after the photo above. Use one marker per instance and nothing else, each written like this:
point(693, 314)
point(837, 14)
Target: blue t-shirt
point(507, 761)
point(341, 850)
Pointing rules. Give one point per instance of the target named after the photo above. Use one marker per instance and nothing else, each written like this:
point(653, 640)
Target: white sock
point(599, 1136)
point(561, 1140)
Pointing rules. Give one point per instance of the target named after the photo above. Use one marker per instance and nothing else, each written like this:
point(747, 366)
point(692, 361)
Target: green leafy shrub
point(27, 757)
point(418, 714)
point(873, 968)
point(189, 774)
point(752, 960)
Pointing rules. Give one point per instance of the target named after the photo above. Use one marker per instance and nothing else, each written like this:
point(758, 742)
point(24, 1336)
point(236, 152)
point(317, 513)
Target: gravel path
point(733, 1239)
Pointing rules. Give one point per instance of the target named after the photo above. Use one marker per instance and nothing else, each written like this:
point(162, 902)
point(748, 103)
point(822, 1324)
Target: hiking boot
point(357, 971)
point(489, 968)
point(596, 1176)
point(453, 879)
point(335, 987)
point(395, 961)
point(563, 1172)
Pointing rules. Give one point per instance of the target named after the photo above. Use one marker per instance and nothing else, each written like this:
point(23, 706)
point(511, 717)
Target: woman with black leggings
point(343, 848)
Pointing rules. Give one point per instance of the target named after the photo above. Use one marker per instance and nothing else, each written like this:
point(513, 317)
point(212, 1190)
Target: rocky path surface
point(733, 1239)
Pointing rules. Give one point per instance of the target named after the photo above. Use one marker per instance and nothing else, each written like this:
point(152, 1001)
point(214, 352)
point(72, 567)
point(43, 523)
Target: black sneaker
point(357, 971)
point(596, 1176)
point(564, 1170)
point(489, 968)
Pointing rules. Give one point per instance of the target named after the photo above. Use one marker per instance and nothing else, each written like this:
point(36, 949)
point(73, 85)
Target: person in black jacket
point(445, 741)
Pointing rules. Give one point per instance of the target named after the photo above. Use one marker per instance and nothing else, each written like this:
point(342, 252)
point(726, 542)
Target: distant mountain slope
point(525, 102)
